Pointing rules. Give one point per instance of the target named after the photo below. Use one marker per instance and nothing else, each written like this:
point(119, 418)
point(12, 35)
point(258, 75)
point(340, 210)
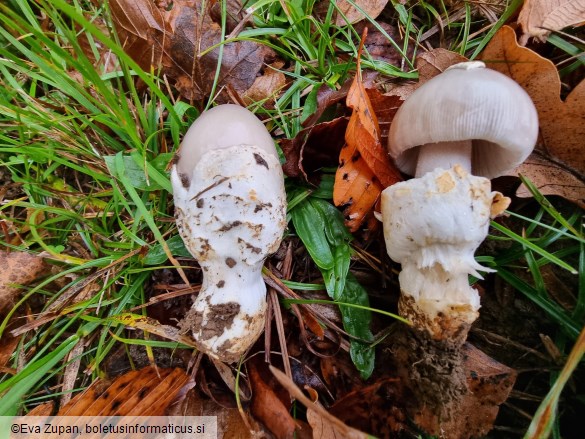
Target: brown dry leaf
point(230, 424)
point(378, 407)
point(325, 425)
point(489, 383)
point(177, 41)
point(557, 166)
point(266, 86)
point(141, 29)
point(364, 167)
point(539, 17)
point(268, 408)
point(8, 344)
point(18, 268)
point(428, 64)
point(350, 14)
point(45, 409)
point(192, 31)
point(314, 148)
point(145, 392)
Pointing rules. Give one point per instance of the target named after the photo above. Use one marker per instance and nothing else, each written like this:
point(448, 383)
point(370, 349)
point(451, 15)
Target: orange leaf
point(364, 167)
point(146, 392)
point(355, 188)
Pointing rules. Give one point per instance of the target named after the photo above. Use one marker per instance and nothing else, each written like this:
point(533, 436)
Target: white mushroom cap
point(467, 102)
point(221, 127)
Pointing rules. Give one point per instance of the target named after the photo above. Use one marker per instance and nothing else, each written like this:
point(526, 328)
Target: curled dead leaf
point(539, 17)
point(364, 166)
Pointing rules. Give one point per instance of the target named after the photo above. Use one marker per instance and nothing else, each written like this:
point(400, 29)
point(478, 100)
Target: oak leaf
point(364, 166)
point(539, 17)
point(557, 165)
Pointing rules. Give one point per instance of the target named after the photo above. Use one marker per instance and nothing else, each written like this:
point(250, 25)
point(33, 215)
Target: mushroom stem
point(443, 155)
point(229, 311)
point(432, 226)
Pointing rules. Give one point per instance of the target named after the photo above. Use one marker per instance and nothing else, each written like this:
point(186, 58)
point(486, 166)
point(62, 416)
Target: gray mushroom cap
point(467, 102)
point(221, 127)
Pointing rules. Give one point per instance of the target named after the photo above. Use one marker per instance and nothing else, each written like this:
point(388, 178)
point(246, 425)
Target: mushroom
point(230, 209)
point(466, 120)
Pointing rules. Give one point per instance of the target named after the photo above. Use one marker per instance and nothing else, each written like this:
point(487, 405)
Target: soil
point(434, 368)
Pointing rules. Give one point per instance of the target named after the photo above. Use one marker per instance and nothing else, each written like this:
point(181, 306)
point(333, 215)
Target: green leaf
point(135, 173)
point(336, 277)
point(335, 230)
point(356, 321)
point(310, 227)
point(310, 105)
point(157, 255)
point(19, 385)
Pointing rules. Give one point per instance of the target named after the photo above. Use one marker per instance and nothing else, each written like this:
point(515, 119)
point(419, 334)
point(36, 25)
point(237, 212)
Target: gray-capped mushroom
point(466, 120)
point(230, 207)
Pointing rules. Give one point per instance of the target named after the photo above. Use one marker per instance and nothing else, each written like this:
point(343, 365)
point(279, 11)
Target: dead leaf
point(314, 148)
point(230, 424)
point(192, 32)
point(489, 385)
point(18, 268)
point(141, 30)
point(348, 13)
point(266, 86)
point(152, 326)
point(428, 64)
point(539, 17)
point(71, 372)
point(7, 345)
point(145, 392)
point(364, 167)
point(379, 46)
point(268, 408)
point(557, 166)
point(235, 12)
point(327, 97)
point(378, 407)
point(178, 40)
point(324, 424)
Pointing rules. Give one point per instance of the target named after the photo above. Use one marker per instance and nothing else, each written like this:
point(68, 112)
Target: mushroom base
point(451, 326)
point(432, 369)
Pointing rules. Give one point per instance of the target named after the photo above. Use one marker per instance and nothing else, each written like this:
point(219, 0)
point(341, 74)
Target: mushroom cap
point(467, 102)
point(221, 127)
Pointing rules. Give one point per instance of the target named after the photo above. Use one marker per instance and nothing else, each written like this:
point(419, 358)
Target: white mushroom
point(467, 120)
point(230, 207)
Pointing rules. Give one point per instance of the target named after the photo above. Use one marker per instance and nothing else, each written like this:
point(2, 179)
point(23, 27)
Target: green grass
point(90, 150)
